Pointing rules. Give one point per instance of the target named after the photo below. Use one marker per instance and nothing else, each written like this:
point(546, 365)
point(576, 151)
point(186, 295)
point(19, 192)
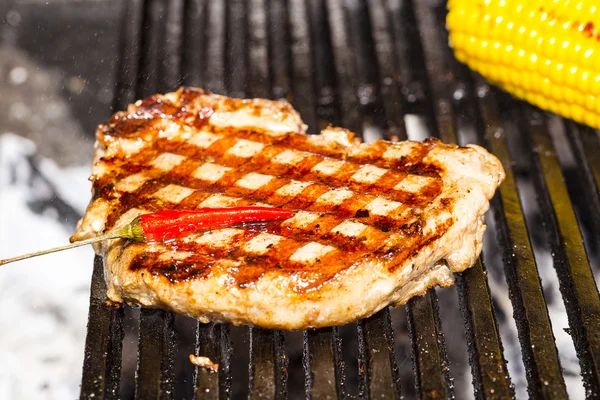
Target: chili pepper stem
point(111, 235)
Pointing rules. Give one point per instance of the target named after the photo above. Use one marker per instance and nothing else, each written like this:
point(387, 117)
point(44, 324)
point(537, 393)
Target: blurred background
point(57, 71)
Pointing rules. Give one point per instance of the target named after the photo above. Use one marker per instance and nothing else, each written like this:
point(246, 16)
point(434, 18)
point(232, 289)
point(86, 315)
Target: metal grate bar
point(207, 345)
point(440, 81)
point(303, 74)
point(431, 371)
point(377, 372)
point(214, 34)
point(363, 360)
point(382, 371)
point(262, 366)
point(185, 371)
point(129, 53)
point(339, 364)
point(153, 33)
point(226, 348)
point(361, 48)
point(267, 373)
point(322, 57)
point(488, 367)
point(490, 376)
point(258, 74)
point(281, 366)
point(529, 306)
point(587, 145)
point(156, 352)
point(279, 48)
point(236, 46)
point(104, 340)
point(172, 45)
point(193, 63)
point(318, 362)
point(390, 82)
point(158, 71)
point(409, 53)
point(344, 66)
point(103, 344)
point(577, 284)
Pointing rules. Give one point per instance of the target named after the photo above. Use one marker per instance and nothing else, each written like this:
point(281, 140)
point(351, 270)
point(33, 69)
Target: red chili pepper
point(166, 225)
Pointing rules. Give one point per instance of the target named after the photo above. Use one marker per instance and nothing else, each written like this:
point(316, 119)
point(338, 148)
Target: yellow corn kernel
point(546, 52)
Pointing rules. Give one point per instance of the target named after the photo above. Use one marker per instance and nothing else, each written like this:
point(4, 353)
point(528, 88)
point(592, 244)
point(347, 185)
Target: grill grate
point(370, 66)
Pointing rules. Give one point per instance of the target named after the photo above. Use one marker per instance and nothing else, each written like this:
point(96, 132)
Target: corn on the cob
point(546, 52)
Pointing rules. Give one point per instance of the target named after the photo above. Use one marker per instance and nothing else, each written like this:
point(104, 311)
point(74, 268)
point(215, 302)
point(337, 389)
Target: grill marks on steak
point(358, 201)
point(375, 224)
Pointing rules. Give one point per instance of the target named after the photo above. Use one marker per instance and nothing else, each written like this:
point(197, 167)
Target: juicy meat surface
point(376, 223)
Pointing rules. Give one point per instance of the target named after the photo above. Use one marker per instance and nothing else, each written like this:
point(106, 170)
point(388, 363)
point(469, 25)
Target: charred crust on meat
point(362, 213)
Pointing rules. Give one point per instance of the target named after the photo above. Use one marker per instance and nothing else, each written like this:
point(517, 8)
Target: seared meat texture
point(376, 223)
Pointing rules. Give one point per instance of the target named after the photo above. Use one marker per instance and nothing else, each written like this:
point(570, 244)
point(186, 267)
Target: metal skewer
point(111, 235)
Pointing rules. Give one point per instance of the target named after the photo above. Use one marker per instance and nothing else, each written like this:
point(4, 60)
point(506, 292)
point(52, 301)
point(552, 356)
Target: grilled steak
point(375, 224)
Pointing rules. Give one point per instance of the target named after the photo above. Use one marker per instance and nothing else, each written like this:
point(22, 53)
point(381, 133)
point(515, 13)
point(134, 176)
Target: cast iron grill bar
point(577, 284)
point(318, 363)
point(363, 360)
point(409, 54)
point(390, 77)
point(540, 355)
point(344, 66)
point(440, 82)
point(104, 341)
point(267, 377)
point(588, 143)
point(361, 43)
point(262, 366)
point(490, 376)
point(214, 74)
point(431, 370)
point(351, 36)
point(194, 72)
point(129, 53)
point(208, 345)
point(193, 63)
point(226, 348)
point(488, 367)
point(322, 359)
point(322, 61)
point(151, 49)
point(281, 366)
point(585, 143)
point(103, 344)
point(429, 354)
point(236, 46)
point(156, 353)
point(377, 374)
point(158, 69)
point(279, 49)
point(382, 372)
point(362, 49)
point(303, 73)
point(258, 54)
point(170, 78)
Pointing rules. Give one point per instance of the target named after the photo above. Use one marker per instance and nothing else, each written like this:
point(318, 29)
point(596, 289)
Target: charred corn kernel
point(546, 52)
